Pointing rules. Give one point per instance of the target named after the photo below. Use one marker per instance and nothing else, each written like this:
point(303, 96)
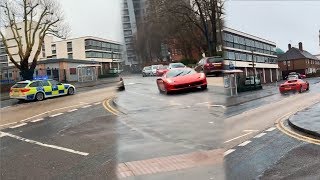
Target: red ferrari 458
point(296, 85)
point(181, 78)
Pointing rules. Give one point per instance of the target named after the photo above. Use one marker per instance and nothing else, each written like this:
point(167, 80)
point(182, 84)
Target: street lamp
point(254, 70)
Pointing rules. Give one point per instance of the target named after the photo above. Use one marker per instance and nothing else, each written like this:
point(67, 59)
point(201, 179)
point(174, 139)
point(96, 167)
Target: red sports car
point(294, 85)
point(162, 70)
point(181, 78)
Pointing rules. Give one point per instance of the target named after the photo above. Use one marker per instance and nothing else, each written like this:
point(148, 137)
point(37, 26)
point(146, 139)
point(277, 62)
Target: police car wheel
point(71, 91)
point(39, 96)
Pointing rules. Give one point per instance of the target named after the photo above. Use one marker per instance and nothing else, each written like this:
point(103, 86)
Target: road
point(260, 145)
point(85, 136)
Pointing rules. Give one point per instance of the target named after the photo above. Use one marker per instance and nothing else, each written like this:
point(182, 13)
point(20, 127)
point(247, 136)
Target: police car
point(40, 89)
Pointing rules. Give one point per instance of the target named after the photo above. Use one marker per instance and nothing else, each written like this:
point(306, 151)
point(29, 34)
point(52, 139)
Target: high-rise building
point(132, 15)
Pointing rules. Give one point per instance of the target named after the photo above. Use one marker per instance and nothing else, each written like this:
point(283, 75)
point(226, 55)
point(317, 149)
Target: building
point(132, 15)
point(241, 49)
point(298, 60)
point(89, 50)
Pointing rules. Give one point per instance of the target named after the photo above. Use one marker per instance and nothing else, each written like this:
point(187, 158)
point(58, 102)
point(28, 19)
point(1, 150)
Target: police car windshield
point(20, 85)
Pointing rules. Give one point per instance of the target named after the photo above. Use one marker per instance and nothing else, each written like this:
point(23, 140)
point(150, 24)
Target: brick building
point(298, 60)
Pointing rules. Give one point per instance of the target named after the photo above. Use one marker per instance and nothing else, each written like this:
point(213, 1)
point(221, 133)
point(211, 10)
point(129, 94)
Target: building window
point(70, 55)
point(69, 46)
point(73, 71)
point(53, 48)
point(54, 56)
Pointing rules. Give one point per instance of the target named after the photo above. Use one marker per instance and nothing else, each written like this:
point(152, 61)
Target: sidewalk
point(307, 121)
point(78, 85)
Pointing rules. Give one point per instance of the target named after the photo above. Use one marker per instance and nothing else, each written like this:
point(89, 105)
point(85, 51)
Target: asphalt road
point(81, 137)
point(257, 149)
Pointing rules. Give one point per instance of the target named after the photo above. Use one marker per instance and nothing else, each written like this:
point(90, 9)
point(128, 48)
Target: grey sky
point(282, 22)
point(101, 18)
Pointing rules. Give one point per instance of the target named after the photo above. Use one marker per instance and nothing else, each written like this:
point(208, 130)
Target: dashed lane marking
point(54, 115)
point(211, 122)
point(19, 125)
point(97, 103)
point(260, 135)
point(72, 110)
point(270, 129)
point(86, 106)
point(237, 137)
point(244, 143)
point(43, 144)
point(228, 152)
point(37, 120)
point(218, 105)
point(250, 130)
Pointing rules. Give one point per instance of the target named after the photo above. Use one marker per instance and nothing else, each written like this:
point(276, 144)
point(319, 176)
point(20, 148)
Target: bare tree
point(29, 22)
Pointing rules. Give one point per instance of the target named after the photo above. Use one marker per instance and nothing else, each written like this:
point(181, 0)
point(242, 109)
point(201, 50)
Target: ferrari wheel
point(307, 88)
point(300, 90)
point(204, 87)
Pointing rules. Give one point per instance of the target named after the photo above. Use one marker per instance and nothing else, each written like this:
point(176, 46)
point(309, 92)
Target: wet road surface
point(90, 141)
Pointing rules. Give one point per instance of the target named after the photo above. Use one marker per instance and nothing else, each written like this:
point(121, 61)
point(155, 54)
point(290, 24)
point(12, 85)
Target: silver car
point(147, 71)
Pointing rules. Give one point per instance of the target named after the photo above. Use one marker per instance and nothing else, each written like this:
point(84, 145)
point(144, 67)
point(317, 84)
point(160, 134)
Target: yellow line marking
point(107, 106)
point(280, 125)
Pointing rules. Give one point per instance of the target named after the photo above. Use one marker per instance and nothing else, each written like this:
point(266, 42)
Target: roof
point(295, 53)
point(47, 61)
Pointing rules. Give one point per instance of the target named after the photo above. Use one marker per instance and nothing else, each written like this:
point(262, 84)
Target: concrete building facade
point(241, 48)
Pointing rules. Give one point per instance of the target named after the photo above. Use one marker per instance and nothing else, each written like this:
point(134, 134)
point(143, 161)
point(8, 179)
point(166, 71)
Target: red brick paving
point(170, 163)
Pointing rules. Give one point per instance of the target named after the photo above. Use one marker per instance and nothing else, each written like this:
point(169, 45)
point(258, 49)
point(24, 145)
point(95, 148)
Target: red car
point(162, 70)
point(181, 78)
point(296, 85)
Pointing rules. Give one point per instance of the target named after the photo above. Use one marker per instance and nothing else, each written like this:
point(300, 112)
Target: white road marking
point(217, 105)
point(211, 122)
point(228, 152)
point(237, 137)
point(72, 110)
point(271, 129)
point(202, 103)
point(2, 134)
point(8, 124)
point(244, 143)
point(45, 145)
point(37, 120)
point(81, 103)
point(260, 135)
point(86, 106)
point(97, 103)
point(249, 130)
point(5, 107)
point(19, 125)
point(56, 115)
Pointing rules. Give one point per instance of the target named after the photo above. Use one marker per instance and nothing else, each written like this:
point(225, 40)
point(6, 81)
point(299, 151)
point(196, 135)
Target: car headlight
point(202, 75)
point(169, 81)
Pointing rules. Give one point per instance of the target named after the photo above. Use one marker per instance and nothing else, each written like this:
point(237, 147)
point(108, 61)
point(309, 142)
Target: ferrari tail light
point(11, 90)
point(207, 65)
point(25, 90)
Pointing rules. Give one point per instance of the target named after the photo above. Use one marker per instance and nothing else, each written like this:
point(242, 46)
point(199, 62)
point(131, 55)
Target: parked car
point(250, 80)
point(176, 65)
point(147, 71)
point(154, 69)
point(210, 65)
point(181, 78)
point(162, 70)
point(295, 85)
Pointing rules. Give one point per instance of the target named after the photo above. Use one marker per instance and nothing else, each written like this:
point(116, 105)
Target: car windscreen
point(20, 85)
point(177, 65)
point(290, 77)
point(180, 72)
point(214, 60)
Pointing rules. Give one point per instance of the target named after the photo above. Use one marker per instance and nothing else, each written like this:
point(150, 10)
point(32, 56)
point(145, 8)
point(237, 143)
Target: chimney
point(300, 46)
point(289, 46)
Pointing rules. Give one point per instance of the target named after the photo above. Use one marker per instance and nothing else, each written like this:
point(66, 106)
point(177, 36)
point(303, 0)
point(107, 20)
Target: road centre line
point(19, 125)
point(86, 106)
point(97, 103)
point(271, 129)
point(260, 135)
point(107, 106)
point(228, 152)
point(237, 137)
point(244, 143)
point(37, 120)
point(249, 130)
point(81, 103)
point(54, 115)
point(43, 144)
point(218, 105)
point(72, 110)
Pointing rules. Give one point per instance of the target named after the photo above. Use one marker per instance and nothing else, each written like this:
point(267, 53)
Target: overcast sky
point(101, 18)
point(282, 22)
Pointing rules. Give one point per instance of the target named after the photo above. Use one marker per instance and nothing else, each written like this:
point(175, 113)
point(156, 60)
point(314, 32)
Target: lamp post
point(254, 70)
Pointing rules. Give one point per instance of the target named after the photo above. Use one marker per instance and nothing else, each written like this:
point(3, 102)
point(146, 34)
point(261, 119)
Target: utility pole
point(254, 70)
